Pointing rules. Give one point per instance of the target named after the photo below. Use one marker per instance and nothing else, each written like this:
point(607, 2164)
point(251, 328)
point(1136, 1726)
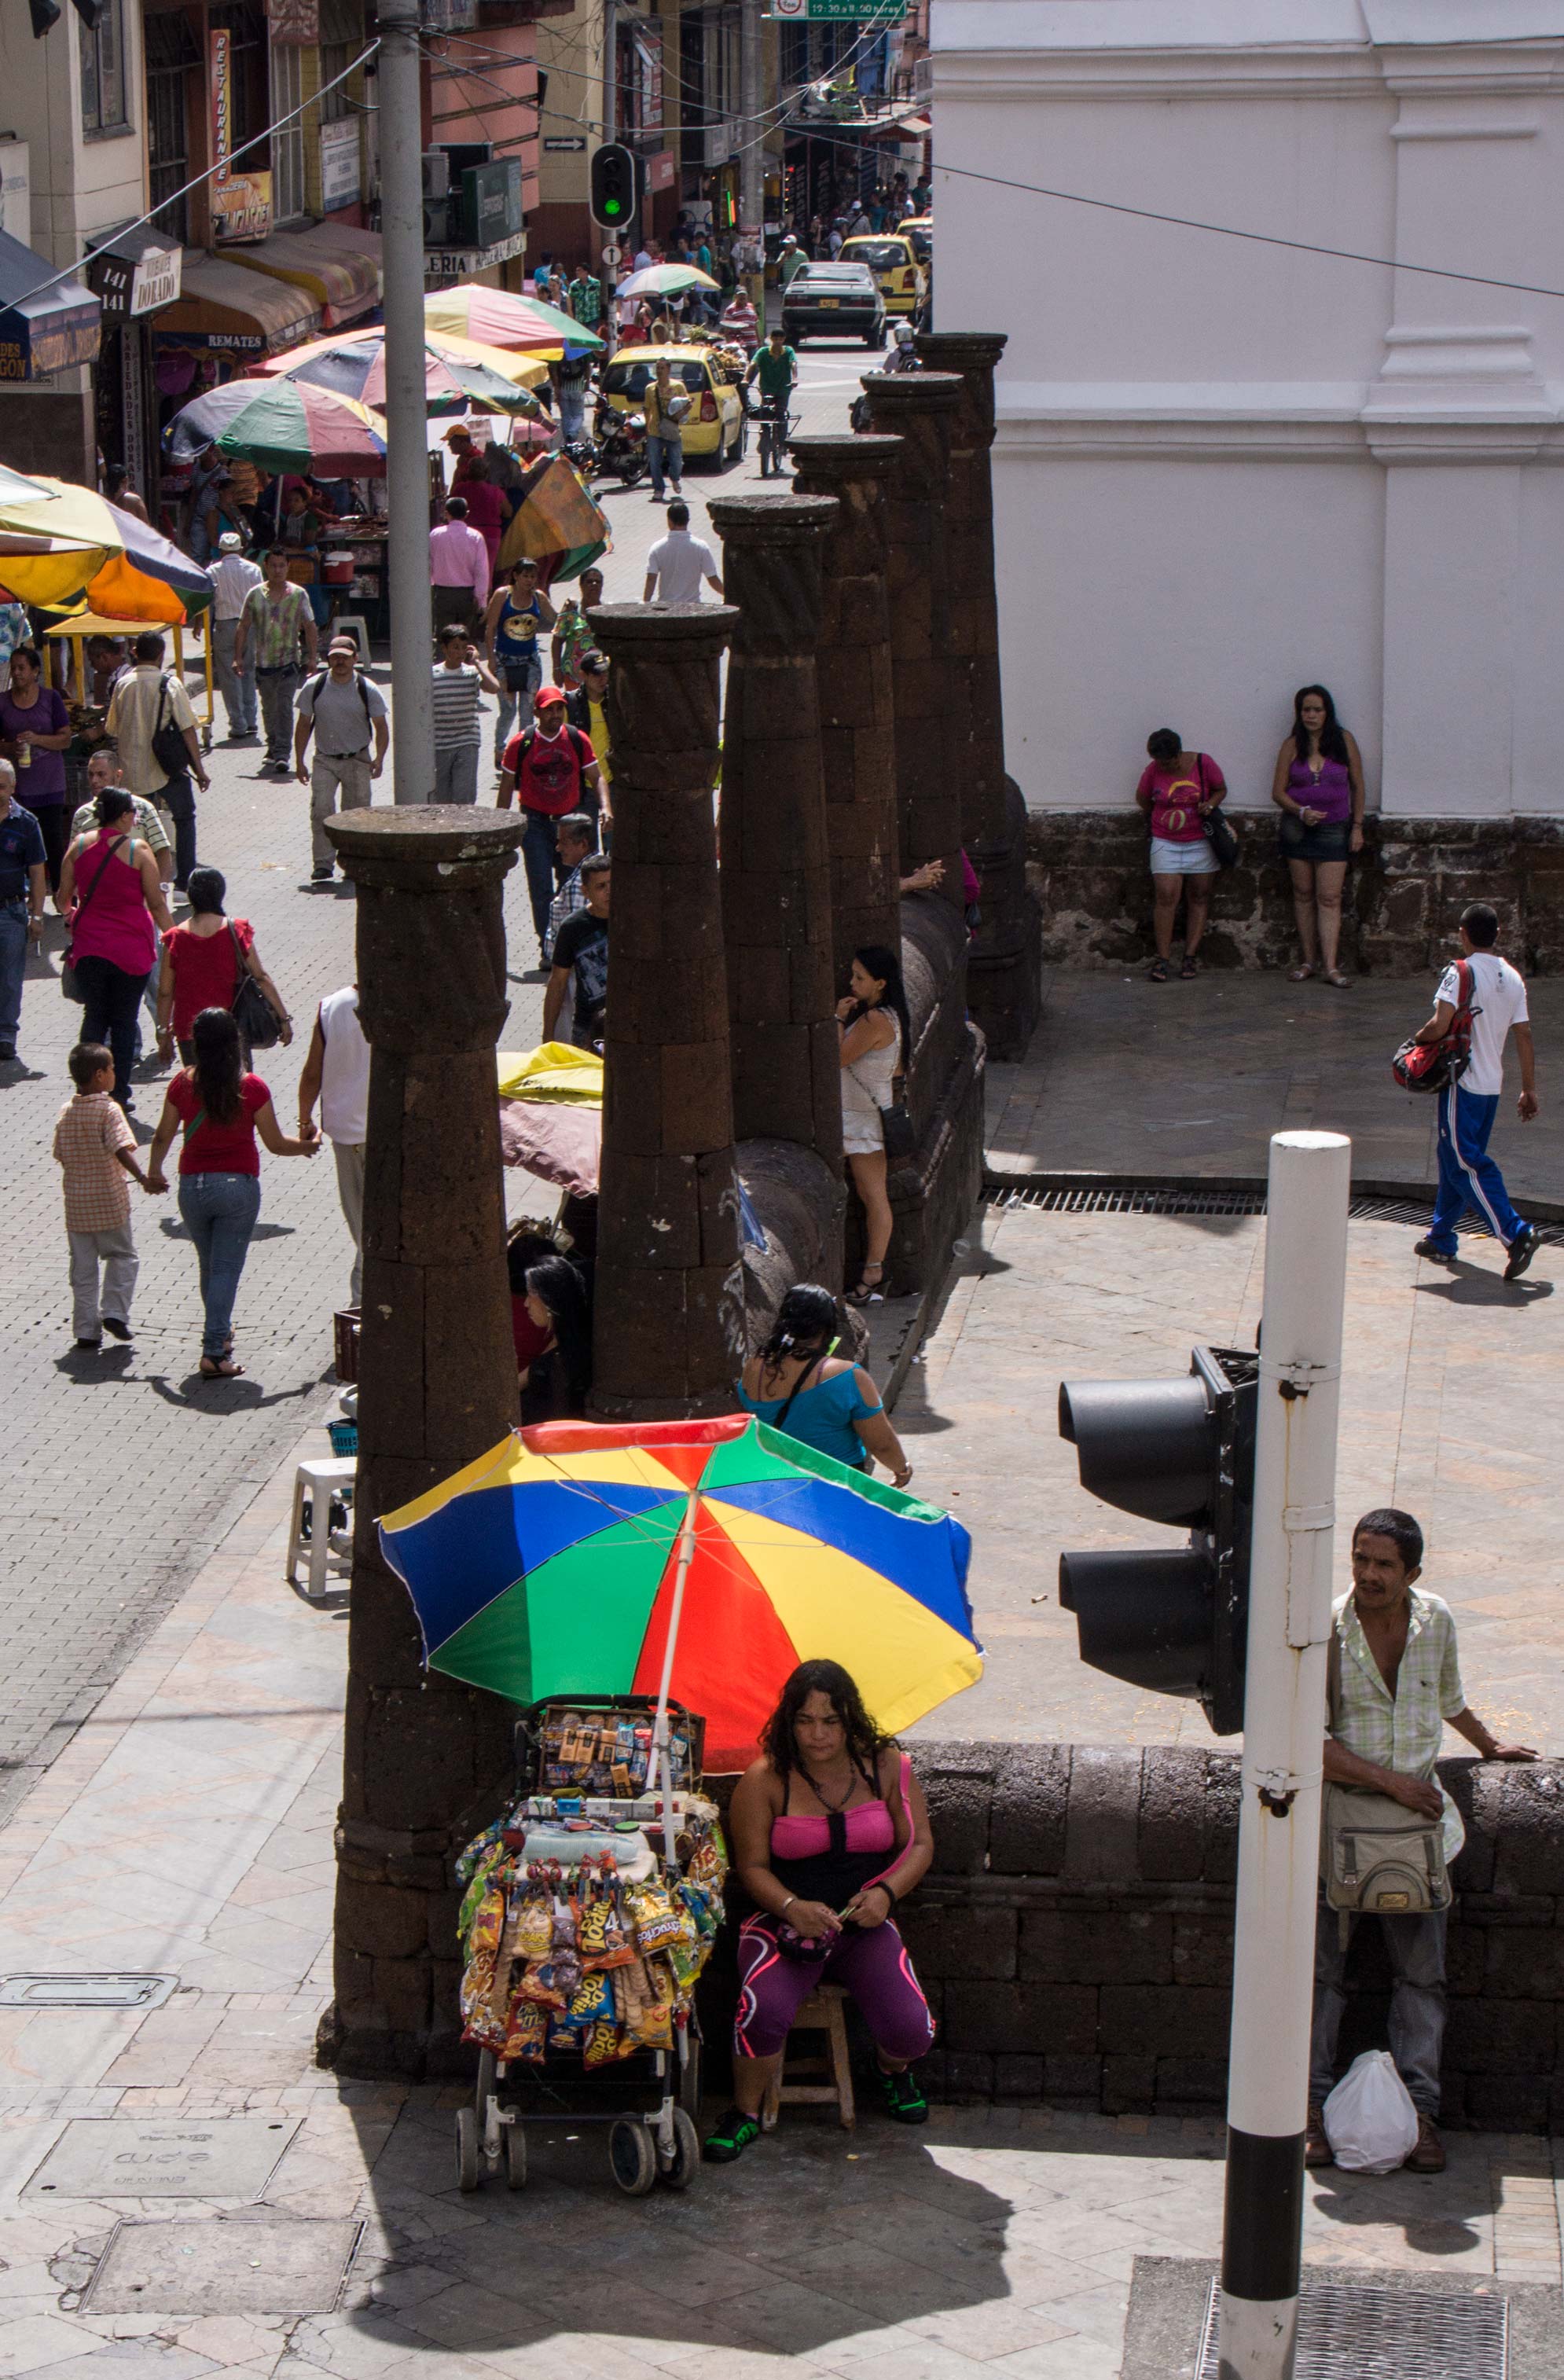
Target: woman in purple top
point(35, 725)
point(1318, 786)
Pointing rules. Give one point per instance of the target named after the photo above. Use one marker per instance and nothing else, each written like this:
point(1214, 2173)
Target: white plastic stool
point(353, 624)
point(317, 1480)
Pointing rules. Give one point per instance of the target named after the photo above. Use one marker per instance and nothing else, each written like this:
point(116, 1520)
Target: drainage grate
point(88, 1991)
point(1367, 2334)
point(1187, 1198)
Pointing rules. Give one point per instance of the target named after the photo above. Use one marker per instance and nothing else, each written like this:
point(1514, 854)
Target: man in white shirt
point(1468, 1177)
point(232, 577)
point(144, 697)
point(336, 1072)
point(678, 562)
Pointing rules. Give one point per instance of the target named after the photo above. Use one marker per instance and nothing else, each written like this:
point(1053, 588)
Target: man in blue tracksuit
point(1468, 1177)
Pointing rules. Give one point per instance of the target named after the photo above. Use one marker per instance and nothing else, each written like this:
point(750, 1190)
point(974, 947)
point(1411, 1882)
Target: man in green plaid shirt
point(1395, 1684)
point(584, 299)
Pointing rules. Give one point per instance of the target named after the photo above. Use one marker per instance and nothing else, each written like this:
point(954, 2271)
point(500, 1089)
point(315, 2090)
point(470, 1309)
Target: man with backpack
point(152, 726)
point(1482, 997)
point(553, 770)
point(340, 708)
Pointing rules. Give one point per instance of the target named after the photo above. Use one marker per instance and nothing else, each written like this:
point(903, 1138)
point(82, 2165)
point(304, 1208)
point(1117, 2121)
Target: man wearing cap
point(552, 769)
point(586, 708)
point(340, 708)
point(233, 575)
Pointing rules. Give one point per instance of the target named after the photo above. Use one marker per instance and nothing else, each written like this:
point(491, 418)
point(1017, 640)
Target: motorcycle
point(621, 444)
point(739, 328)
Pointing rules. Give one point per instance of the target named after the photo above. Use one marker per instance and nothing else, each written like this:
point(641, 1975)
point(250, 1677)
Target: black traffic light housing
point(1179, 1452)
point(615, 188)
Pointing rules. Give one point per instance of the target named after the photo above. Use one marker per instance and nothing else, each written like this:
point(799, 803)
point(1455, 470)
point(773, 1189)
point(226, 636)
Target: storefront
point(134, 273)
point(48, 324)
point(223, 320)
point(335, 267)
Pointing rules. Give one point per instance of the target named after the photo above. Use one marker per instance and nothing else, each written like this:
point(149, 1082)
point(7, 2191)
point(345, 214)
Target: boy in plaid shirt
point(94, 1144)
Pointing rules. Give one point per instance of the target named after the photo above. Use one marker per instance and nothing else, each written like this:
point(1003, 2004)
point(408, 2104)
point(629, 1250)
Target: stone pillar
point(424, 1756)
point(853, 669)
point(921, 408)
point(669, 1295)
point(776, 869)
point(1004, 965)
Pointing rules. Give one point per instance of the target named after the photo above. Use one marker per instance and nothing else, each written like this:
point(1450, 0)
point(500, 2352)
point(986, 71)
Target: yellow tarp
point(553, 1071)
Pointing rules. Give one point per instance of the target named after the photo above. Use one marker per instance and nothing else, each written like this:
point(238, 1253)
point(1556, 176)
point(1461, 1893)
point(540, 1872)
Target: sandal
point(1188, 972)
point(1157, 971)
point(1338, 981)
point(868, 1292)
point(1302, 974)
point(219, 1368)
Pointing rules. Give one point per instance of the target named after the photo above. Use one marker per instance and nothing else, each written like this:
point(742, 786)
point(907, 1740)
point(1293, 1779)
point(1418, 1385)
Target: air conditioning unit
point(437, 198)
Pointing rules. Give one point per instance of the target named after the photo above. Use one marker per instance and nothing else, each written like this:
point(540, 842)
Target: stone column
point(424, 1757)
point(776, 868)
point(853, 670)
point(1004, 964)
point(921, 407)
point(668, 1298)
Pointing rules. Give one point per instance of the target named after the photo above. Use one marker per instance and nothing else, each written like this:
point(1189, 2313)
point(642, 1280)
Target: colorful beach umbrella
point(286, 426)
point(135, 574)
point(453, 382)
point(500, 319)
point(664, 281)
point(550, 1566)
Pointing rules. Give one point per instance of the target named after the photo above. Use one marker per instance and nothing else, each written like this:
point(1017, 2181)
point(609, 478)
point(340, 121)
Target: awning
point(41, 329)
point(343, 282)
point(220, 305)
point(135, 270)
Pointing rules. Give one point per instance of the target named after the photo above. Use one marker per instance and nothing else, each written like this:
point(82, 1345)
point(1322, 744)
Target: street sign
point(611, 251)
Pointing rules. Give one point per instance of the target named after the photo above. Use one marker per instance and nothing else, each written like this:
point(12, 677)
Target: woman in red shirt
point(200, 968)
point(221, 1108)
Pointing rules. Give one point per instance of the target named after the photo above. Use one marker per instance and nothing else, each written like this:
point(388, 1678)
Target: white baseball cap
point(230, 542)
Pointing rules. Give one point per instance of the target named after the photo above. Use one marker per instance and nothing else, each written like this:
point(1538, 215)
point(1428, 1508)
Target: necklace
point(819, 1792)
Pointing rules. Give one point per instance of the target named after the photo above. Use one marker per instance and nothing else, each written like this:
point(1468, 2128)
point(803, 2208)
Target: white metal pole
point(752, 155)
point(660, 1757)
point(1290, 1599)
point(402, 260)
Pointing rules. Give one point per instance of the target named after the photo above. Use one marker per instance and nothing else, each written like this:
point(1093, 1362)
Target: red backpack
point(1434, 1065)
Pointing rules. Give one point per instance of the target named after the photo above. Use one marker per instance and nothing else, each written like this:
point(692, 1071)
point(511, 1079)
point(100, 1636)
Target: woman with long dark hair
point(221, 1109)
point(113, 896)
point(35, 729)
point(1318, 786)
point(200, 967)
point(799, 1384)
point(876, 1037)
point(831, 1832)
point(555, 1385)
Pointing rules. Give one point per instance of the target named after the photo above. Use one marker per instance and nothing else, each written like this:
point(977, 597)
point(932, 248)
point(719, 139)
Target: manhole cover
point(1367, 2334)
point(119, 2156)
point(85, 1991)
point(263, 2262)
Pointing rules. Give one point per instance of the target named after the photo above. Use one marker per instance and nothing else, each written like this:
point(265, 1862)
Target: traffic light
point(45, 15)
point(614, 190)
point(1179, 1452)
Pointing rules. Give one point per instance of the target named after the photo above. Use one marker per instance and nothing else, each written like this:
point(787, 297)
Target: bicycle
point(775, 424)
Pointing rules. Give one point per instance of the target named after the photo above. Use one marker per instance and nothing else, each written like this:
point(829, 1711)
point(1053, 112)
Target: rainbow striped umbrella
point(703, 1560)
point(498, 317)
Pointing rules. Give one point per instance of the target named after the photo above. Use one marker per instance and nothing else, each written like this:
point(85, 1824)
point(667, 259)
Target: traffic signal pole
point(1289, 1611)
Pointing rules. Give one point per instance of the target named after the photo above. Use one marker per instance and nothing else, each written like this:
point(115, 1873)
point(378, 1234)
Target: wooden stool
point(821, 2012)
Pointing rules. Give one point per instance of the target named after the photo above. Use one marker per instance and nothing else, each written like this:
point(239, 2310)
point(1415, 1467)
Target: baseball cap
point(230, 542)
point(593, 659)
point(547, 693)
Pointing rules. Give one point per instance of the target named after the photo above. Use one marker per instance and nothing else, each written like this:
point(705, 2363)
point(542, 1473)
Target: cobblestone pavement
point(186, 1830)
point(125, 1467)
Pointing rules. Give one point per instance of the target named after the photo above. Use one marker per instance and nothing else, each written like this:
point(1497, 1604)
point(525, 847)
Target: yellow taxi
point(919, 230)
point(892, 258)
point(714, 424)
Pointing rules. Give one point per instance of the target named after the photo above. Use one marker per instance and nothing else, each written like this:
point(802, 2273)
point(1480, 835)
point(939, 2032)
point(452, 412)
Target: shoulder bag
point(1215, 827)
point(1377, 1858)
point(249, 1008)
point(1435, 1065)
point(68, 983)
point(168, 740)
point(896, 1127)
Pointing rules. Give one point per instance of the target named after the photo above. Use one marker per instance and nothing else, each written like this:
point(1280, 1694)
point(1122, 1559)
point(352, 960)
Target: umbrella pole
point(660, 1730)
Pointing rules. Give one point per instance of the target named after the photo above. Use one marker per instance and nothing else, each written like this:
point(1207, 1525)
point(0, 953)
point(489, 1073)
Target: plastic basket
point(344, 1436)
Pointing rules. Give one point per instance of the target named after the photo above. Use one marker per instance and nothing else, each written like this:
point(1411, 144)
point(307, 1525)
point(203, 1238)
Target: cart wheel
point(689, 2078)
point(516, 2156)
point(467, 2149)
point(632, 2156)
point(682, 2168)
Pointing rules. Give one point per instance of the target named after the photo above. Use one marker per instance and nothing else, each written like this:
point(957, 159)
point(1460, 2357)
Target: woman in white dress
point(875, 1034)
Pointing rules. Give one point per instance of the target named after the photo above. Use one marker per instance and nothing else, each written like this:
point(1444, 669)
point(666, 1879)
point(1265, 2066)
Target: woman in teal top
point(796, 1385)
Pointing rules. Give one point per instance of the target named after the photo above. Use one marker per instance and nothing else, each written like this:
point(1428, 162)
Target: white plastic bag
point(1369, 2119)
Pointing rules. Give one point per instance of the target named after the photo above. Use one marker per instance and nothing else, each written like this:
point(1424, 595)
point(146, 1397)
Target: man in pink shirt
point(458, 562)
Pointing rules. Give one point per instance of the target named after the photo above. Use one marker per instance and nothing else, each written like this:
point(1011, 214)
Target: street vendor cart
point(81, 626)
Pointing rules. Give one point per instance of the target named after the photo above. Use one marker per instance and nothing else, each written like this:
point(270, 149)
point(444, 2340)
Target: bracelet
point(787, 1904)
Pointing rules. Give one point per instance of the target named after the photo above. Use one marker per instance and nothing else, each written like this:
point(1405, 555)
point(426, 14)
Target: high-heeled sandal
point(868, 1292)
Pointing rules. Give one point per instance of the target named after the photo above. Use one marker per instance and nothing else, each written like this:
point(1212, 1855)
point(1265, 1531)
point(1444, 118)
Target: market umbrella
point(138, 575)
point(559, 522)
point(664, 281)
point(15, 488)
point(500, 319)
point(700, 1559)
point(453, 382)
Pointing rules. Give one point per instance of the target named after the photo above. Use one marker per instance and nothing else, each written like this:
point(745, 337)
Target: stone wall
point(1075, 1936)
point(1088, 871)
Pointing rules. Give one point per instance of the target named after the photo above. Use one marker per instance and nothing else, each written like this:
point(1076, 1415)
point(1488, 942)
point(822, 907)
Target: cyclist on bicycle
point(776, 367)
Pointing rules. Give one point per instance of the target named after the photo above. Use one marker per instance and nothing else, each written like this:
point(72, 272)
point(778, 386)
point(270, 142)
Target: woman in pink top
point(1318, 786)
point(486, 505)
point(111, 892)
point(1178, 791)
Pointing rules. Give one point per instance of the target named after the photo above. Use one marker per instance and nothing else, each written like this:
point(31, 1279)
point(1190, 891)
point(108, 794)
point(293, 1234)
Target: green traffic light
point(611, 206)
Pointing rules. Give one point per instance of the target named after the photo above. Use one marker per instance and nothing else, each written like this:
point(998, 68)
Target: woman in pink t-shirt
point(1178, 791)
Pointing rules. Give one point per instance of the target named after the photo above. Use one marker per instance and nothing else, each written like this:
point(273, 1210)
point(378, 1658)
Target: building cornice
point(1467, 70)
point(1322, 422)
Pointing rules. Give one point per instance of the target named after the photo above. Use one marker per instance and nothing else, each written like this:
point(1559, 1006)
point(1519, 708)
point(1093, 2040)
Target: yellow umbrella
point(527, 371)
point(122, 566)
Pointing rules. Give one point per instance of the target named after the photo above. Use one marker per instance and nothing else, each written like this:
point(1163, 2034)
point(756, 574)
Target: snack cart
point(589, 1914)
point(83, 624)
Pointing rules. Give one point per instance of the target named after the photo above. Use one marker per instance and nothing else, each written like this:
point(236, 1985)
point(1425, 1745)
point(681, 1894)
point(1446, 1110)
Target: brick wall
point(1075, 1934)
point(1088, 871)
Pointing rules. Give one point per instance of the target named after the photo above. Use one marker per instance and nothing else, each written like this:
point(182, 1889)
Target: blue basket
point(344, 1436)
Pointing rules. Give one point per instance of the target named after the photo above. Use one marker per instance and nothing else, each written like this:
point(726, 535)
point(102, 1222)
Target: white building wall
point(1224, 468)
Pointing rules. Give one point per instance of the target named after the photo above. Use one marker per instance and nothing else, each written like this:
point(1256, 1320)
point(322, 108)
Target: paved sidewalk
point(186, 1828)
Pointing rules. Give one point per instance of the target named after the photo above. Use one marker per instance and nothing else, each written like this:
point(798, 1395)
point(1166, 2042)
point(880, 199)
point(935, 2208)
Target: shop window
point(103, 72)
point(287, 138)
point(171, 53)
point(342, 40)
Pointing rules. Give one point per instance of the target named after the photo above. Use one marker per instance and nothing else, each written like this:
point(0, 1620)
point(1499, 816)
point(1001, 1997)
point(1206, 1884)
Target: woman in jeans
point(111, 891)
point(1318, 786)
point(220, 1109)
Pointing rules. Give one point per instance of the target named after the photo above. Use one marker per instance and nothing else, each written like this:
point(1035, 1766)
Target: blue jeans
point(219, 1211)
point(511, 696)
point(665, 454)
point(1468, 1177)
point(572, 414)
point(1416, 1946)
point(540, 854)
point(13, 965)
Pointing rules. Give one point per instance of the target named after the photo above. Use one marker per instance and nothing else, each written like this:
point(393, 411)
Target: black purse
point(168, 741)
point(896, 1126)
point(249, 1008)
point(1218, 832)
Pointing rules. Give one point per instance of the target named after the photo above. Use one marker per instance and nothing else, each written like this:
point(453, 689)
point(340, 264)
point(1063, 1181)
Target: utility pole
point(609, 277)
point(752, 155)
point(406, 457)
point(1284, 1711)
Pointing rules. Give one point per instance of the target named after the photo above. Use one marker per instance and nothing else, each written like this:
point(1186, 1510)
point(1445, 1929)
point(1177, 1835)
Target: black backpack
point(312, 688)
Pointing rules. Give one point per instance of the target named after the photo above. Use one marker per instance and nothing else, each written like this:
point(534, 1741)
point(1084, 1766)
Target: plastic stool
point(821, 2012)
point(316, 1481)
point(353, 624)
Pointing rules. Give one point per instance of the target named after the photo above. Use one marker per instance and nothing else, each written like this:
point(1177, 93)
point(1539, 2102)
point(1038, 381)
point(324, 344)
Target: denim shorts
point(1194, 859)
point(1314, 844)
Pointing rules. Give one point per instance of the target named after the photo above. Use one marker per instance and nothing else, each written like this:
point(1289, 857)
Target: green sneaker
point(729, 2136)
point(905, 2102)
